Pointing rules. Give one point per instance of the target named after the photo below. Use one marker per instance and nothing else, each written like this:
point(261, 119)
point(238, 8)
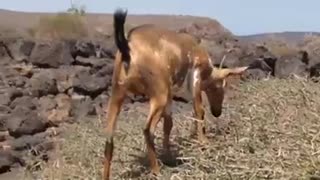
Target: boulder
point(7, 160)
point(4, 116)
point(290, 65)
point(51, 54)
point(88, 84)
point(5, 99)
point(314, 70)
point(55, 110)
point(83, 49)
point(255, 74)
point(65, 76)
point(18, 81)
point(105, 48)
point(23, 121)
point(14, 93)
point(82, 106)
point(106, 71)
point(4, 51)
point(229, 59)
point(258, 68)
point(100, 104)
point(20, 49)
point(25, 142)
point(10, 76)
point(43, 83)
point(93, 62)
point(24, 102)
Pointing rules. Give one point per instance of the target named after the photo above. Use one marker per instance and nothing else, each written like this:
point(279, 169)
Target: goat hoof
point(154, 176)
point(203, 140)
point(155, 171)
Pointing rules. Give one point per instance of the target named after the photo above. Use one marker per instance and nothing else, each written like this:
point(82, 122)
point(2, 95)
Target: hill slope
point(20, 21)
point(287, 36)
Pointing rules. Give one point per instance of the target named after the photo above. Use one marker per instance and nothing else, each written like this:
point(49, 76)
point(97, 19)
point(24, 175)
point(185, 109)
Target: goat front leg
point(157, 106)
point(113, 110)
point(199, 114)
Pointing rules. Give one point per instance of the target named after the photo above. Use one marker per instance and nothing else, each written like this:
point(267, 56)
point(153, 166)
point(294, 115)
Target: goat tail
point(121, 41)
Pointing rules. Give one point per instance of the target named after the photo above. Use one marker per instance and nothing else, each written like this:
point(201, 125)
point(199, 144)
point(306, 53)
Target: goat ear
point(237, 70)
point(224, 73)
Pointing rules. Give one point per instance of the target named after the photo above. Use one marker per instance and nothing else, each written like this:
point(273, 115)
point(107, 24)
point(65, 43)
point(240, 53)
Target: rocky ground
point(269, 130)
point(53, 95)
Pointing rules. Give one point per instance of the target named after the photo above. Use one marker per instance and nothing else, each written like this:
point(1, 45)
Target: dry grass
point(281, 48)
point(269, 130)
point(311, 44)
point(60, 26)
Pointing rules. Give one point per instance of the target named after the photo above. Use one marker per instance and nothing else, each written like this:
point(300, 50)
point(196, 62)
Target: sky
point(242, 17)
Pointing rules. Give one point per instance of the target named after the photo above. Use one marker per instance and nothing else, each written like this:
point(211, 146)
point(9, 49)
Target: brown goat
point(154, 61)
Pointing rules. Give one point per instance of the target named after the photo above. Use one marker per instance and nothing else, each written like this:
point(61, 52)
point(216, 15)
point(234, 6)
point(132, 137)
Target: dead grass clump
point(60, 26)
point(269, 130)
point(311, 44)
point(281, 48)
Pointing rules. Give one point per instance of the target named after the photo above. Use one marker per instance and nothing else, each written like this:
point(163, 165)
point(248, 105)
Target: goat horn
point(221, 63)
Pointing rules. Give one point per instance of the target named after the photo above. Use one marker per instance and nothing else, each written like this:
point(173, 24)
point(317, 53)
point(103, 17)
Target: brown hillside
point(22, 21)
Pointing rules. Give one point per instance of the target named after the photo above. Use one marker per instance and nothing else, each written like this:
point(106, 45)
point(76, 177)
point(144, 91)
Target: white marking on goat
point(196, 77)
point(156, 53)
point(121, 82)
point(189, 54)
point(189, 57)
point(210, 62)
point(224, 83)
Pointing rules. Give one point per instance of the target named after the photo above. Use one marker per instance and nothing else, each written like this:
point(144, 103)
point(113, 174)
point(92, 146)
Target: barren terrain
point(269, 130)
point(54, 92)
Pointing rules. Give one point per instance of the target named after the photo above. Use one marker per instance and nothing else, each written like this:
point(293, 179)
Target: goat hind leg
point(113, 110)
point(167, 127)
point(156, 110)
